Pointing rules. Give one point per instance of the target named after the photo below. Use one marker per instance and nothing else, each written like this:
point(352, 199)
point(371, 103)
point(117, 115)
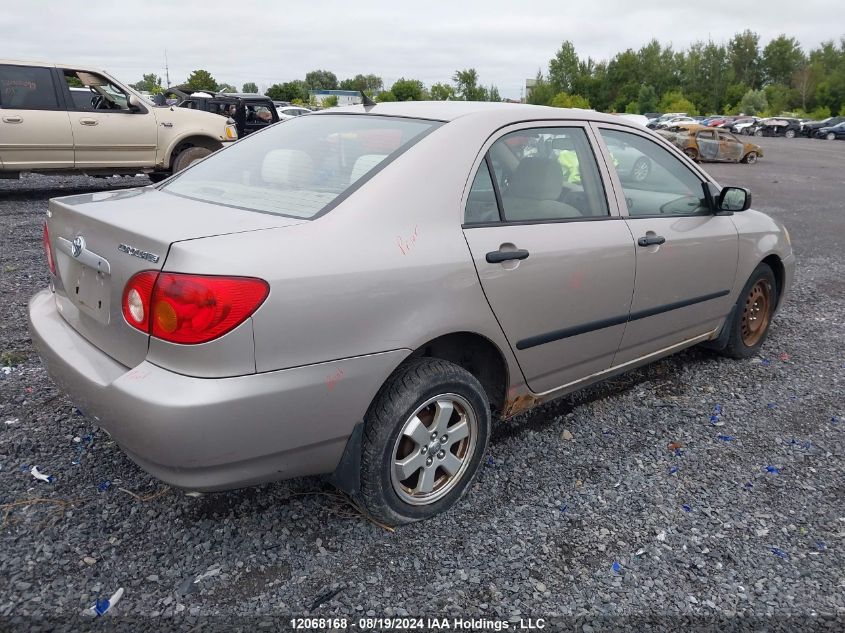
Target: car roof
point(451, 110)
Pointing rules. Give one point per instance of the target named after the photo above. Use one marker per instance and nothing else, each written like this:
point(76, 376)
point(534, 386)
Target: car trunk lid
point(100, 240)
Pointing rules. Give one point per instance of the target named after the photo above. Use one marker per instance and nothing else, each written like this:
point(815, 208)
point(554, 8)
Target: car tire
point(157, 177)
point(753, 314)
point(641, 169)
point(830, 136)
point(789, 134)
point(758, 133)
point(188, 157)
point(422, 404)
point(750, 158)
point(692, 153)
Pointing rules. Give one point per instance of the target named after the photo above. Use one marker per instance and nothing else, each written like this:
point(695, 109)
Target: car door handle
point(88, 121)
point(12, 119)
point(497, 257)
point(651, 240)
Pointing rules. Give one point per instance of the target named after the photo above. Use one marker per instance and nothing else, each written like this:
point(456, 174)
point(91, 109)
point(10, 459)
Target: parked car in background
point(831, 133)
point(712, 144)
point(59, 118)
point(678, 120)
point(788, 127)
point(743, 125)
point(273, 312)
point(291, 112)
point(810, 128)
point(250, 112)
point(639, 119)
point(653, 123)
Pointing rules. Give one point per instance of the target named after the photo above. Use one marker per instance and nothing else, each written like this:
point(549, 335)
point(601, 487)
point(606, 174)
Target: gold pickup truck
point(66, 118)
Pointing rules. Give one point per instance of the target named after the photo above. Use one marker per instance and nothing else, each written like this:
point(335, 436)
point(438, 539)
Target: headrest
point(289, 167)
point(537, 178)
point(364, 164)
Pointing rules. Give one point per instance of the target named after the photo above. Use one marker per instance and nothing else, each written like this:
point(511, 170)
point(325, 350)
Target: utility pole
point(166, 68)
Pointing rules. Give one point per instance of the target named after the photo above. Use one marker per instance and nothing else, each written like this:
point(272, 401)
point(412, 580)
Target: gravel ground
point(692, 490)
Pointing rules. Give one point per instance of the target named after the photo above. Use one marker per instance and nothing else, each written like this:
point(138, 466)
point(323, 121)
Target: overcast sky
point(270, 41)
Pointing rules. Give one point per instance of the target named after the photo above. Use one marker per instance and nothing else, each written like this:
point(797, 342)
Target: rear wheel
point(758, 133)
point(424, 438)
point(753, 314)
point(692, 153)
point(789, 134)
point(188, 157)
point(750, 158)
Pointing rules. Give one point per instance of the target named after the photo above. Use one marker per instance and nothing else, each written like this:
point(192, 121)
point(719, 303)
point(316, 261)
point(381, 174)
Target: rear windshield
point(301, 167)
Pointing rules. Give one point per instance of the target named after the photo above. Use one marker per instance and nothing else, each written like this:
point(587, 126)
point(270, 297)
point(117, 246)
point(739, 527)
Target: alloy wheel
point(434, 449)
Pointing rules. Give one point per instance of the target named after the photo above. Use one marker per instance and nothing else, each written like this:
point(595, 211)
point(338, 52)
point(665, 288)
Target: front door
point(686, 254)
point(35, 130)
point(107, 132)
point(555, 260)
point(730, 147)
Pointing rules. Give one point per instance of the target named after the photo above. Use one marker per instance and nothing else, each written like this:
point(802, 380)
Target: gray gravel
point(631, 475)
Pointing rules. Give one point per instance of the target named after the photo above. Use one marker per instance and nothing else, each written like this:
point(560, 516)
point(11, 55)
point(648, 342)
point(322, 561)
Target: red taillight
point(51, 262)
point(190, 309)
point(137, 299)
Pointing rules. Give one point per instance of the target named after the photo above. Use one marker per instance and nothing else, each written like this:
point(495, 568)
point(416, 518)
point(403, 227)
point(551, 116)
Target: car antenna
point(365, 100)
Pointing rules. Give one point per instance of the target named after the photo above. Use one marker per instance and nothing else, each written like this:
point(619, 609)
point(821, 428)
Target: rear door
point(106, 131)
point(708, 144)
point(35, 131)
point(730, 147)
point(686, 257)
point(555, 259)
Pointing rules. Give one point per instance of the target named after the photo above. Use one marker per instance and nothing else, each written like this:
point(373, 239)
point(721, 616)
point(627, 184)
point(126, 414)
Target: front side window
point(90, 92)
point(302, 168)
point(669, 187)
point(547, 174)
point(27, 88)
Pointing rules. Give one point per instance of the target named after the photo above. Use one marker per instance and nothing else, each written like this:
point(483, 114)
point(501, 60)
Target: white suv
point(56, 118)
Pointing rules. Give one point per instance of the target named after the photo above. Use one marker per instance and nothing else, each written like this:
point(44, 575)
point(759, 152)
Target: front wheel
point(188, 157)
point(750, 158)
point(753, 314)
point(789, 134)
point(424, 437)
point(830, 136)
point(758, 133)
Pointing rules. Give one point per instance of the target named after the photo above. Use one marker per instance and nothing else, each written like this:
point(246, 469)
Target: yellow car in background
point(704, 143)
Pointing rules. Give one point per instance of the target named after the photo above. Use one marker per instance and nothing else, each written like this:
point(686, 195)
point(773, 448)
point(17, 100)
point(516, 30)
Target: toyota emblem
point(77, 246)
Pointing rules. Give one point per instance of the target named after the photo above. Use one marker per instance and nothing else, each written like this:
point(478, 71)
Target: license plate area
point(89, 291)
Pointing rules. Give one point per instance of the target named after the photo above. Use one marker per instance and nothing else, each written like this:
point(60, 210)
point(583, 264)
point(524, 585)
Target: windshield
point(300, 168)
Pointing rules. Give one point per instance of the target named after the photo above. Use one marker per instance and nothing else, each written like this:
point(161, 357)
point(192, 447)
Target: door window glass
point(547, 174)
point(90, 92)
point(27, 88)
point(481, 205)
point(669, 187)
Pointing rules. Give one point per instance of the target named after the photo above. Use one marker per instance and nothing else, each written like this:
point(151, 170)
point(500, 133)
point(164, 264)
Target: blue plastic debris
point(490, 461)
point(749, 485)
point(835, 420)
point(673, 470)
point(727, 438)
point(717, 409)
point(607, 432)
point(104, 485)
point(714, 417)
point(81, 442)
point(773, 469)
point(679, 451)
point(779, 553)
point(800, 444)
point(101, 607)
point(821, 546)
point(765, 361)
point(686, 508)
point(25, 468)
point(771, 405)
point(616, 567)
point(564, 508)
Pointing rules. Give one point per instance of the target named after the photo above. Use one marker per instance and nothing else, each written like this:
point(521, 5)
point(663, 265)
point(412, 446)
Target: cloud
point(268, 42)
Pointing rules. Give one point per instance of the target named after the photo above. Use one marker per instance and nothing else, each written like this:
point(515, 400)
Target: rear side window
point(547, 174)
point(27, 88)
point(302, 168)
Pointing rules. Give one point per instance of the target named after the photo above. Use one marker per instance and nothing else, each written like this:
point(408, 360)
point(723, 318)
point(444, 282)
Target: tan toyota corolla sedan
point(366, 291)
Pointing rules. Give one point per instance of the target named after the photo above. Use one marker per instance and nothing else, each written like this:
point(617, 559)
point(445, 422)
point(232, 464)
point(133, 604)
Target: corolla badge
point(77, 246)
point(137, 252)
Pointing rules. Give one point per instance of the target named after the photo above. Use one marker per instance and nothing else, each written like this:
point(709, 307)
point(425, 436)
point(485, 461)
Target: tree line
point(740, 76)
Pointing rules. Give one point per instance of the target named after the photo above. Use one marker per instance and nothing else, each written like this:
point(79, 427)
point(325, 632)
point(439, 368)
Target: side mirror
point(134, 102)
point(734, 199)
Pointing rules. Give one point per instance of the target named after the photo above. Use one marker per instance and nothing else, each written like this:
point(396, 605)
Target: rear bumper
point(213, 433)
